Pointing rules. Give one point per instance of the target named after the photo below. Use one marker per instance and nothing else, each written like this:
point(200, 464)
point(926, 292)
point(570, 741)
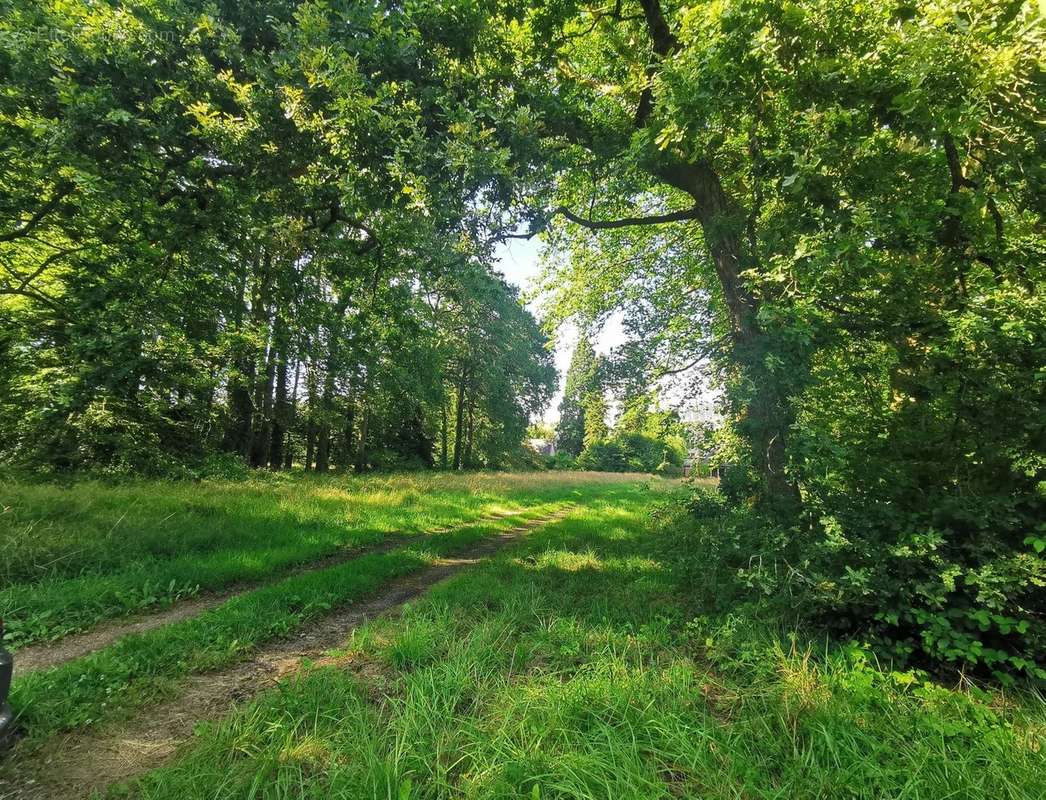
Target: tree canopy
point(258, 228)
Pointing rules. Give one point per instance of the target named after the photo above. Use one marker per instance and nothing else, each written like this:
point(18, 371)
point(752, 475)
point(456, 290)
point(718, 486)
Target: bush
point(668, 470)
point(918, 600)
point(632, 452)
point(604, 457)
point(561, 461)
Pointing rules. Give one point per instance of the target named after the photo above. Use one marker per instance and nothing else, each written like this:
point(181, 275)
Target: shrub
point(917, 599)
point(561, 461)
point(632, 452)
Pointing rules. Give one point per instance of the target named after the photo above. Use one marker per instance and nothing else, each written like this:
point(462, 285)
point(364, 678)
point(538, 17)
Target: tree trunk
point(238, 432)
point(767, 416)
point(288, 450)
point(323, 429)
point(263, 402)
point(443, 433)
point(310, 427)
point(459, 418)
point(349, 434)
point(361, 451)
point(281, 404)
point(471, 431)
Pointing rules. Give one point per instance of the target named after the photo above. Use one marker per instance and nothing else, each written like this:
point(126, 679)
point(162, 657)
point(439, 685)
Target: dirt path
point(75, 765)
point(51, 654)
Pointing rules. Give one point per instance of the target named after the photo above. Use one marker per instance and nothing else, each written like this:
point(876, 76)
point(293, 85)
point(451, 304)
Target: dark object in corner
point(6, 668)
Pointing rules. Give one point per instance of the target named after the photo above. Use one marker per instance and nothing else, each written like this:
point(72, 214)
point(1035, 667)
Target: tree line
point(257, 229)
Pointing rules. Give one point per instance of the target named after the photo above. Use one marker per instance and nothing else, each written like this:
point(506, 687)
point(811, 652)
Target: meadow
point(74, 555)
point(572, 666)
point(543, 637)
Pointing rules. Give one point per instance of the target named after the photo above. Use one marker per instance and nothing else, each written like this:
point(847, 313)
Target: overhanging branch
point(627, 222)
point(599, 224)
point(62, 191)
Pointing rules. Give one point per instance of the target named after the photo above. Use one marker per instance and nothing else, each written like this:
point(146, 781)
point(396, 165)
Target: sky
point(519, 261)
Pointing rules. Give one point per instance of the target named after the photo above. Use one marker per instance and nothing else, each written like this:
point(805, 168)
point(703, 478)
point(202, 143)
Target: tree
point(854, 194)
point(207, 201)
point(583, 377)
point(594, 408)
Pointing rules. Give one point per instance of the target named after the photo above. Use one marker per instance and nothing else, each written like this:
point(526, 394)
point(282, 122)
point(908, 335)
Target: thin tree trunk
point(323, 429)
point(361, 447)
point(349, 434)
point(459, 418)
point(310, 427)
point(443, 433)
point(471, 430)
point(263, 402)
point(281, 405)
point(288, 451)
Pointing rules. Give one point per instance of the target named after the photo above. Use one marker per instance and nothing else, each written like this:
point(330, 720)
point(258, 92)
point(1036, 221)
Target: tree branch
point(32, 295)
point(661, 36)
point(62, 191)
point(626, 222)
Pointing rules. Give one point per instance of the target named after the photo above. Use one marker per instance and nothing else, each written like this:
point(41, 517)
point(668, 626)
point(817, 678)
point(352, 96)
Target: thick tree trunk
point(767, 416)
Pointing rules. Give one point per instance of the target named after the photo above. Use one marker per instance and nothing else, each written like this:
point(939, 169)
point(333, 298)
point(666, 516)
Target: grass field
point(573, 667)
point(71, 556)
point(572, 664)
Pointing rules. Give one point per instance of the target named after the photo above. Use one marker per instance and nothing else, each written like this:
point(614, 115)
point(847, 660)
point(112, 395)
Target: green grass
point(573, 666)
point(71, 556)
point(140, 669)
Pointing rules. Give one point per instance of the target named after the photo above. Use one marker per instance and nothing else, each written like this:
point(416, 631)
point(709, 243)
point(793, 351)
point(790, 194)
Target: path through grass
point(572, 667)
point(137, 670)
point(72, 556)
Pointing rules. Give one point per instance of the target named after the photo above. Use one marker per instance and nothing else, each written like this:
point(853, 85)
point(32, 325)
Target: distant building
point(698, 462)
point(543, 447)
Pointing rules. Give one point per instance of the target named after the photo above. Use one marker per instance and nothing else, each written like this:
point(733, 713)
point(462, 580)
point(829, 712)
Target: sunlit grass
point(574, 667)
point(71, 556)
point(140, 668)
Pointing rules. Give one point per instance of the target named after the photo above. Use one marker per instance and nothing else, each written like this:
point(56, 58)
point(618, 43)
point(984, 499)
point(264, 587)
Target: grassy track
point(572, 667)
point(73, 556)
point(139, 669)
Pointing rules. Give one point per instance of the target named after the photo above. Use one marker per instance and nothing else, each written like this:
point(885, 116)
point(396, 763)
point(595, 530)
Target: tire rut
point(76, 764)
point(51, 654)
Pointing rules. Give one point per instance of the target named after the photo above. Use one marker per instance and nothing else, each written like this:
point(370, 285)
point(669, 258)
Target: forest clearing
point(501, 399)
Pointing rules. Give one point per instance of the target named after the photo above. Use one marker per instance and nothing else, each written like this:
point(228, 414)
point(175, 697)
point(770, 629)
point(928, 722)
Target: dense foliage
point(265, 228)
point(253, 228)
point(838, 208)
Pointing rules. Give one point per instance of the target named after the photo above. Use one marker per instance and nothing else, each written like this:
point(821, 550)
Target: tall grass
point(141, 668)
point(573, 667)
